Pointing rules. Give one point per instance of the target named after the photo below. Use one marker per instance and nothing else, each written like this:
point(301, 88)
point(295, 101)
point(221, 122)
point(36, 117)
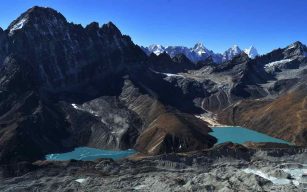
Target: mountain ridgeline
point(199, 52)
point(63, 85)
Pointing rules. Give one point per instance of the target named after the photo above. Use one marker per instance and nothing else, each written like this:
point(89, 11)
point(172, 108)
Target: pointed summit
point(200, 49)
point(296, 45)
point(38, 17)
point(231, 53)
point(296, 49)
point(235, 49)
point(94, 26)
point(110, 28)
point(251, 52)
point(181, 58)
point(156, 49)
point(196, 53)
point(199, 46)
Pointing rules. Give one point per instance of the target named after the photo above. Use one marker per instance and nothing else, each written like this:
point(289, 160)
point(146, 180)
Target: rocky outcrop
point(165, 64)
point(3, 47)
point(104, 122)
point(164, 128)
point(172, 132)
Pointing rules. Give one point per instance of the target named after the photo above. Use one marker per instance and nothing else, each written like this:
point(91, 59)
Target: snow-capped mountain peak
point(199, 52)
point(199, 46)
point(200, 49)
point(251, 52)
point(235, 49)
point(231, 52)
point(156, 49)
point(40, 19)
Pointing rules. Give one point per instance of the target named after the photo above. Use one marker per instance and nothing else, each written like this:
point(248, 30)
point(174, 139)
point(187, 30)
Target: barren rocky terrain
point(226, 167)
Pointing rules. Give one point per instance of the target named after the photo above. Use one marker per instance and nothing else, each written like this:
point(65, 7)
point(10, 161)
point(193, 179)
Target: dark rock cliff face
point(165, 64)
point(62, 86)
point(67, 56)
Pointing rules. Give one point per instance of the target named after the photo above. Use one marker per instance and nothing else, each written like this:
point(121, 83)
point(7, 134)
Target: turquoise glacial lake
point(241, 135)
point(89, 154)
point(223, 134)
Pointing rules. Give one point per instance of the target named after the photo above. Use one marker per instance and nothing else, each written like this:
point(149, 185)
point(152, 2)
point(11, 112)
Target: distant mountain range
point(199, 52)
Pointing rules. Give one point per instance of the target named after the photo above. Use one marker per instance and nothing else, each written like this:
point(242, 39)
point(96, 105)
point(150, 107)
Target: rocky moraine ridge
point(226, 167)
point(63, 85)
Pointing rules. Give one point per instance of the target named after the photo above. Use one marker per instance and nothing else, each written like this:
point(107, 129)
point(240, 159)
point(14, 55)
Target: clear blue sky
point(266, 24)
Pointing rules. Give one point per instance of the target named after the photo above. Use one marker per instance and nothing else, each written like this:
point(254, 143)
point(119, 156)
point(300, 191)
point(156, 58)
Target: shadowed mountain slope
point(64, 86)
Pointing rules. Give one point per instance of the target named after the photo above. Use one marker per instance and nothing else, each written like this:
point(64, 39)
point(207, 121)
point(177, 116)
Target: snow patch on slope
point(291, 47)
point(81, 180)
point(296, 175)
point(19, 25)
point(274, 180)
point(200, 49)
point(274, 64)
point(251, 52)
point(84, 109)
point(75, 106)
point(172, 75)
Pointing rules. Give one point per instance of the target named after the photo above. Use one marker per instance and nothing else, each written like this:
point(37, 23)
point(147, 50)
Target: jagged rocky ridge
point(63, 85)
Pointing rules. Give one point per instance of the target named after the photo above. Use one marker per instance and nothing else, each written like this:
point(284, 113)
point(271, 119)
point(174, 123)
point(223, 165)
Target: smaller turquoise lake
point(241, 135)
point(89, 154)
